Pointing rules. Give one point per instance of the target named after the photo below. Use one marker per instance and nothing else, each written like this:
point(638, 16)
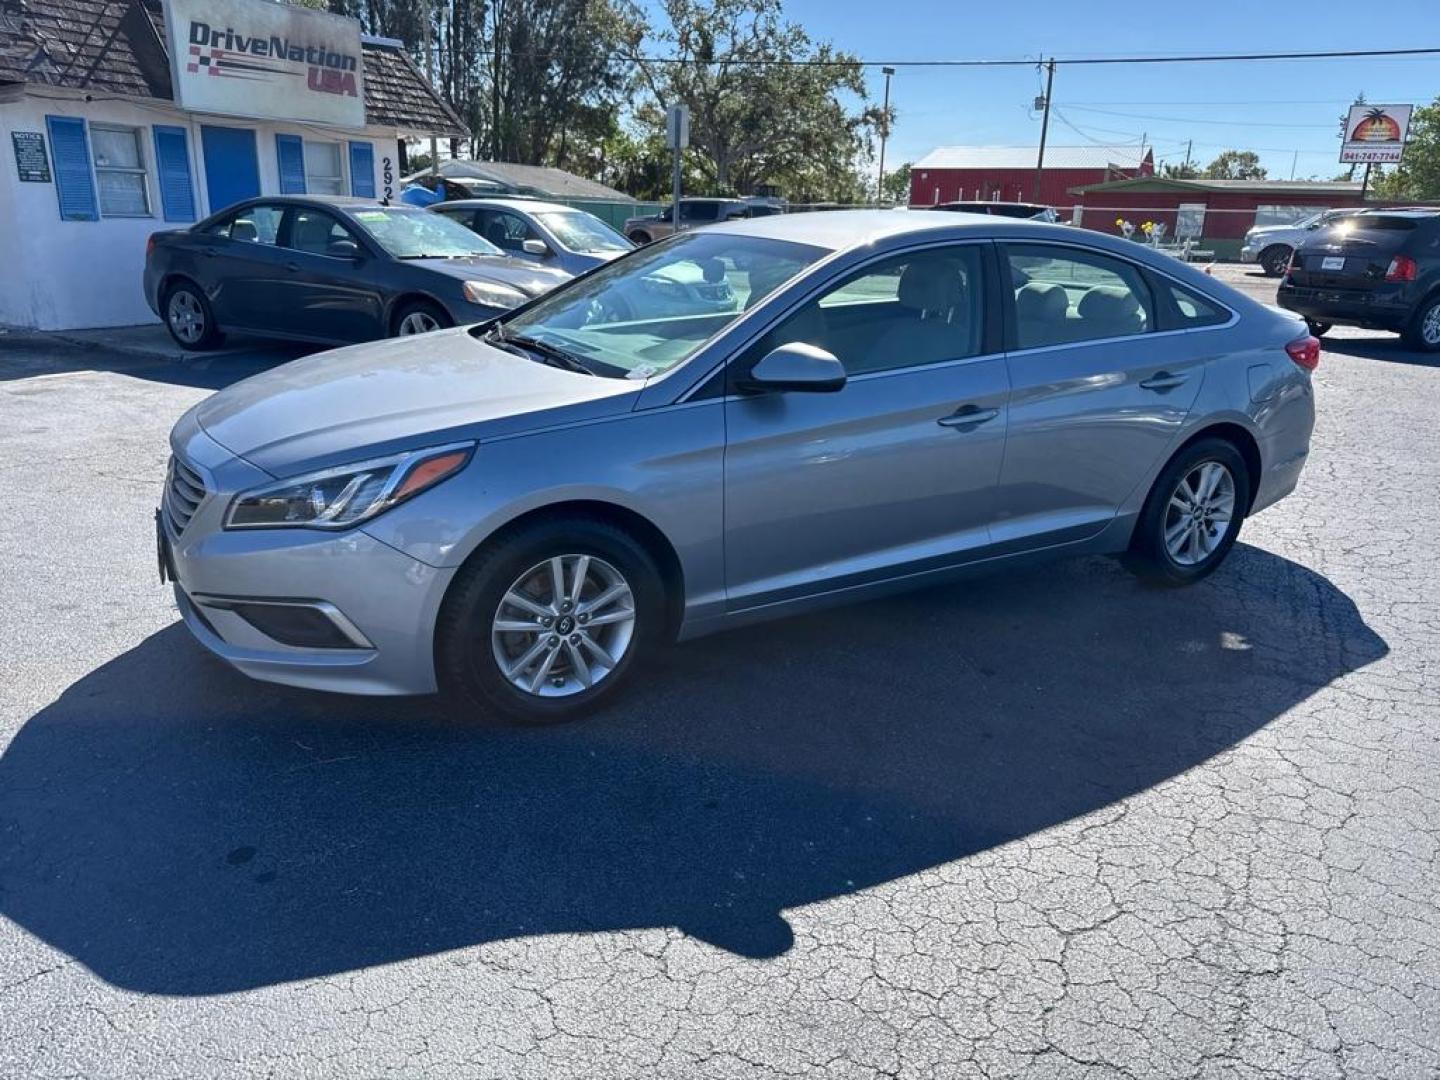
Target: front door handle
point(1162, 380)
point(293, 267)
point(968, 416)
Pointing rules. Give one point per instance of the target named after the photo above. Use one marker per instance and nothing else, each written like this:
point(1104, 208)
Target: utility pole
point(1365, 184)
point(677, 138)
point(1294, 160)
point(430, 77)
point(1189, 145)
point(1044, 126)
point(884, 134)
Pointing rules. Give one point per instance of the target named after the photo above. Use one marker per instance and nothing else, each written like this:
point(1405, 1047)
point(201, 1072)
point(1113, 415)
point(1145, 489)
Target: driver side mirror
point(343, 249)
point(535, 247)
point(795, 367)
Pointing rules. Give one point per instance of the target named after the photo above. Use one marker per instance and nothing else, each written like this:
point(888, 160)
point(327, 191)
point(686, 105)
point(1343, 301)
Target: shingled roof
point(118, 47)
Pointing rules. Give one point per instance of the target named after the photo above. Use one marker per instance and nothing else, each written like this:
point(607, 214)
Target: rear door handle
point(1162, 380)
point(968, 416)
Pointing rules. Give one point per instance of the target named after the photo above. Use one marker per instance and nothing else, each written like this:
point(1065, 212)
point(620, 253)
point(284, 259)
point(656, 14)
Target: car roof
point(838, 229)
point(506, 202)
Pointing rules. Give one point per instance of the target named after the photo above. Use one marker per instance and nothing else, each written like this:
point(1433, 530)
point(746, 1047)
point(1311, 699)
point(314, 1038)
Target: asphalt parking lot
point(1046, 824)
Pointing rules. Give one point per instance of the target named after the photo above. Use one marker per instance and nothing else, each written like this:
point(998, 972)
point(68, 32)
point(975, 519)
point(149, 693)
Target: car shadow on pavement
point(181, 830)
point(31, 357)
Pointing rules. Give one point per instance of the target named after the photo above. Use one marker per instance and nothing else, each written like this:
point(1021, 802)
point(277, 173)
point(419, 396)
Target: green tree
point(754, 121)
point(1418, 174)
point(1236, 165)
point(1185, 170)
point(895, 187)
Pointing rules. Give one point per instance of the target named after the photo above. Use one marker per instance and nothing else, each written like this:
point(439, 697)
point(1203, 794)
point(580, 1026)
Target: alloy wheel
point(563, 626)
point(418, 322)
point(187, 317)
point(1430, 326)
point(1199, 513)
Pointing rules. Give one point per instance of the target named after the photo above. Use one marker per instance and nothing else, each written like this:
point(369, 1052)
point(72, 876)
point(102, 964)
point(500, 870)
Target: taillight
point(149, 245)
point(1402, 268)
point(1296, 263)
point(1305, 351)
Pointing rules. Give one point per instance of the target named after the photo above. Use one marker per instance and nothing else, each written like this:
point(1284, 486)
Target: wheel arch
point(399, 301)
point(649, 535)
point(1238, 436)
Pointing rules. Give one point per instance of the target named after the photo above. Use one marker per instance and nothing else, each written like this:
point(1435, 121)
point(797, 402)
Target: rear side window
point(1384, 223)
point(1189, 310)
point(702, 211)
point(1064, 295)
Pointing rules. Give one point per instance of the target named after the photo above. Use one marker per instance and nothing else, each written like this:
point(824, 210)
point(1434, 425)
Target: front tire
point(1423, 333)
point(1192, 516)
point(546, 622)
point(1274, 260)
point(189, 317)
point(420, 317)
point(639, 237)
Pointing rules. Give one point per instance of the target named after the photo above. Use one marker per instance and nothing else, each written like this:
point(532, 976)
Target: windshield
point(419, 234)
point(583, 232)
point(643, 314)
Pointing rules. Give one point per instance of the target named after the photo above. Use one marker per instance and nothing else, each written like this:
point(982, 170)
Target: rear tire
point(419, 317)
point(189, 317)
point(552, 671)
point(1423, 333)
point(1192, 516)
point(1319, 329)
point(1274, 260)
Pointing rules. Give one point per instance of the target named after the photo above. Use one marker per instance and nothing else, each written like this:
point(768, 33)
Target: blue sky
point(1274, 108)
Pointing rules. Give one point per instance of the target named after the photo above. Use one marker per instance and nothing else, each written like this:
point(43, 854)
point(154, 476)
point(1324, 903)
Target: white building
point(276, 100)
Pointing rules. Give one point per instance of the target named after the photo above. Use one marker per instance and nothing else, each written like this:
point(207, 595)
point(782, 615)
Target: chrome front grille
point(184, 492)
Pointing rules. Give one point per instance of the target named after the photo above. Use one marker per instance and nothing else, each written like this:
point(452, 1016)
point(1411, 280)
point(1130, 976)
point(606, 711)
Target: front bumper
point(1249, 252)
point(381, 602)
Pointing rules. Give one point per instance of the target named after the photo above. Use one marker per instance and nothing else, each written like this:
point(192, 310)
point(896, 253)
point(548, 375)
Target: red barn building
point(1217, 213)
point(1007, 173)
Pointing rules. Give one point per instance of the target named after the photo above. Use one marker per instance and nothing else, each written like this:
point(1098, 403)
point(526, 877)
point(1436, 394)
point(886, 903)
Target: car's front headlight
point(489, 294)
point(342, 497)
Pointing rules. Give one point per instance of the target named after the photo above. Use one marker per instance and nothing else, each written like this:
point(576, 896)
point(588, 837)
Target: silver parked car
point(520, 510)
point(1272, 245)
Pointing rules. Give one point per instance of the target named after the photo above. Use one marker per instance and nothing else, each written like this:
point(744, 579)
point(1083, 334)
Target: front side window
point(319, 233)
point(920, 308)
point(322, 168)
point(644, 314)
point(408, 233)
point(699, 211)
point(505, 230)
point(1065, 295)
point(120, 171)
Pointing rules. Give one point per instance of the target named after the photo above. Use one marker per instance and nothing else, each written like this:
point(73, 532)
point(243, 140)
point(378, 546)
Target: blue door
point(232, 166)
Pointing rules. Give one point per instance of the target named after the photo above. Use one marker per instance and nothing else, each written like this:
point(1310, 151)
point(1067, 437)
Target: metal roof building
point(1007, 173)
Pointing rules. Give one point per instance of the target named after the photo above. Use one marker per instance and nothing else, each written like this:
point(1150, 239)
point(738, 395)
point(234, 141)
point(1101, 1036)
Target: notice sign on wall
point(266, 61)
point(30, 159)
point(1375, 133)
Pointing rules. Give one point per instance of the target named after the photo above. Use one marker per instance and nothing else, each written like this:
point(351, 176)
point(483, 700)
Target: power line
point(1209, 58)
point(1193, 120)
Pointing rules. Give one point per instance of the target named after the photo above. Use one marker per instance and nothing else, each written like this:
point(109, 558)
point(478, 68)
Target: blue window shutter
point(362, 170)
point(290, 152)
point(172, 166)
point(74, 183)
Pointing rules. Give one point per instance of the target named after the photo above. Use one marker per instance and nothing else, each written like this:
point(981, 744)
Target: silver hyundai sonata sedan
point(519, 511)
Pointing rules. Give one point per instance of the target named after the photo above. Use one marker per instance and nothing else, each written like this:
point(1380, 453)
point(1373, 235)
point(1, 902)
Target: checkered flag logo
point(204, 59)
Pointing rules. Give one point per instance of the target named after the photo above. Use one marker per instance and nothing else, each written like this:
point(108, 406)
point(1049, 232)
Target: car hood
point(1273, 230)
point(521, 274)
point(386, 396)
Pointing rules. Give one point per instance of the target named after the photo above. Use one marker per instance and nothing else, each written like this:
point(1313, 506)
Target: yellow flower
point(1120, 221)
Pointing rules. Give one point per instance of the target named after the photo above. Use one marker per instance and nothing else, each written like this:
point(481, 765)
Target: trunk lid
point(1352, 255)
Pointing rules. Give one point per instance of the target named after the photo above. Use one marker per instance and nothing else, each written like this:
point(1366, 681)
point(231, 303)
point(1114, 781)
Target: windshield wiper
point(549, 354)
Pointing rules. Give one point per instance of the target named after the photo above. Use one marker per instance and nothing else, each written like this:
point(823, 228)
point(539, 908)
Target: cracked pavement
point(1045, 824)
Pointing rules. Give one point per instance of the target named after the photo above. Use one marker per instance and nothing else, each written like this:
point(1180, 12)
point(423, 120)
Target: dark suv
point(1379, 269)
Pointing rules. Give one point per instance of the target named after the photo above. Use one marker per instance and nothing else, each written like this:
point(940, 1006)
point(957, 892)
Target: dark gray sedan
point(330, 270)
